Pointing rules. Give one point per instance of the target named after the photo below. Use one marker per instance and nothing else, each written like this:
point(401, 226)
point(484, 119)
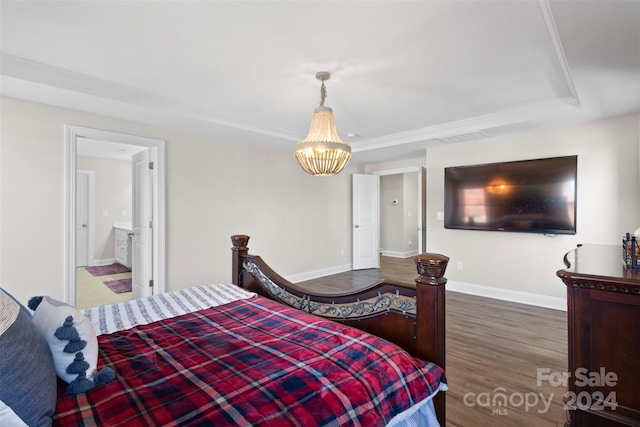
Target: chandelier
point(322, 152)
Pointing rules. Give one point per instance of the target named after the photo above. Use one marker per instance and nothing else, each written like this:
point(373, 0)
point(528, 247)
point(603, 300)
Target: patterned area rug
point(119, 286)
point(104, 270)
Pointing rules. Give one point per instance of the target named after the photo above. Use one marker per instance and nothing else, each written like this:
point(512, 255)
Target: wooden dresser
point(603, 299)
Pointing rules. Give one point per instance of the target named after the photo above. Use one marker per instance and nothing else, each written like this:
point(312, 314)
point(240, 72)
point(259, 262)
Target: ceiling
point(404, 74)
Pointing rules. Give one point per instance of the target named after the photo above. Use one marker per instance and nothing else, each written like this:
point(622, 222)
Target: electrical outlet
point(459, 265)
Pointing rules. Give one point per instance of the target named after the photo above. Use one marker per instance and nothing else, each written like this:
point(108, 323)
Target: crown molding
point(24, 69)
point(552, 30)
point(476, 124)
point(480, 123)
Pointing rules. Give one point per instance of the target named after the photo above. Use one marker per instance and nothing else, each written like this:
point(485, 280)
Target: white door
point(366, 227)
point(82, 219)
point(422, 209)
point(141, 242)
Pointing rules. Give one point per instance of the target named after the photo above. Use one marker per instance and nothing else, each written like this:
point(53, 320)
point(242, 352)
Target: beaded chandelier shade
point(322, 152)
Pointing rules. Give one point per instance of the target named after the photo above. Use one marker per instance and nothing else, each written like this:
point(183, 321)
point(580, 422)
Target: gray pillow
point(28, 381)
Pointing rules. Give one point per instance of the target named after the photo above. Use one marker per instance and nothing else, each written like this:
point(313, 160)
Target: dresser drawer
point(122, 247)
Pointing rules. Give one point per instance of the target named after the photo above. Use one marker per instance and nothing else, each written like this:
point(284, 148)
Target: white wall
point(113, 196)
point(391, 215)
point(300, 223)
point(215, 188)
point(395, 165)
point(521, 265)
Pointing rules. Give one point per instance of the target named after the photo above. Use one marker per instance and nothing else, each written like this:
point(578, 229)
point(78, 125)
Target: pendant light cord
point(323, 94)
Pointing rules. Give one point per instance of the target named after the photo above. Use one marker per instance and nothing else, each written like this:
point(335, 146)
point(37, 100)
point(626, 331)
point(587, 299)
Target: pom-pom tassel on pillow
point(75, 346)
point(67, 330)
point(104, 376)
point(34, 302)
point(80, 384)
point(78, 366)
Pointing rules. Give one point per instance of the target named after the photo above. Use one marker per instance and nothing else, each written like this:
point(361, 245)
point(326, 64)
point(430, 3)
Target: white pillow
point(51, 315)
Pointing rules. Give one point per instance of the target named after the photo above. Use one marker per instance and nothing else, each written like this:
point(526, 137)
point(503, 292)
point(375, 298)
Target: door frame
point(90, 213)
point(72, 133)
point(422, 198)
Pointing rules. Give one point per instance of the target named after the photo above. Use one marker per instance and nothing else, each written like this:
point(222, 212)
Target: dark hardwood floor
point(494, 350)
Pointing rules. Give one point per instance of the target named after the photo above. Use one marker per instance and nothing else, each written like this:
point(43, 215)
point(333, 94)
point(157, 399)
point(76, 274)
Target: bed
point(264, 352)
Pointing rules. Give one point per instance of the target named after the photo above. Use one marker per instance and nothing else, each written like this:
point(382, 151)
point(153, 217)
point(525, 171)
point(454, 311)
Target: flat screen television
point(532, 196)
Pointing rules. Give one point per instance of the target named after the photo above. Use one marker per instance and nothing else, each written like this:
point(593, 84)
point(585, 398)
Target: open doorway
point(100, 216)
point(103, 222)
point(402, 211)
point(399, 212)
point(399, 215)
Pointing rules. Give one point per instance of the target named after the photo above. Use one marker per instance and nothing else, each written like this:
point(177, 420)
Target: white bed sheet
point(422, 414)
point(111, 318)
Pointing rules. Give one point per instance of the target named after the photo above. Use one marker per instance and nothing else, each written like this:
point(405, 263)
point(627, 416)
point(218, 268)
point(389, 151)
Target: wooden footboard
point(409, 315)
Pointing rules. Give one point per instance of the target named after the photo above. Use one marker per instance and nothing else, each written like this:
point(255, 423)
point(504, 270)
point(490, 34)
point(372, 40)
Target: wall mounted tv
point(533, 196)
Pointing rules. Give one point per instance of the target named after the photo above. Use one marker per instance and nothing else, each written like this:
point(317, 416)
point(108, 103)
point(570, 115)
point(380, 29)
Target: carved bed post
point(430, 341)
point(240, 242)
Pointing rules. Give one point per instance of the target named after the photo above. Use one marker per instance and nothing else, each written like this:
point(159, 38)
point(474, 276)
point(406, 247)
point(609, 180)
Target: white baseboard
point(301, 277)
point(556, 303)
point(398, 254)
point(100, 262)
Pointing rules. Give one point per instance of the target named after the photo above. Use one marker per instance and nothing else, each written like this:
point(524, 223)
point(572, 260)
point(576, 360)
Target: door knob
point(356, 226)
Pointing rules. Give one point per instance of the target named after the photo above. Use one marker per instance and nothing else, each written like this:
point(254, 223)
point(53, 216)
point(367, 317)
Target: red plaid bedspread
point(248, 363)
